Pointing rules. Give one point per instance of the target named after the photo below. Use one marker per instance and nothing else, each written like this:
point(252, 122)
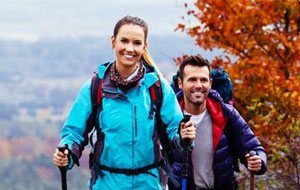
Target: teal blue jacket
point(130, 138)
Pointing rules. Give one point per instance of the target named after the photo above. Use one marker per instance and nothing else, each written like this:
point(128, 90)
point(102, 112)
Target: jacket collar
point(214, 107)
point(150, 77)
point(218, 119)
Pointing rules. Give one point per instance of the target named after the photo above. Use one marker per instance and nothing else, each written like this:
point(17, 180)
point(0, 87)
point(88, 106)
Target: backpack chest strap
point(130, 171)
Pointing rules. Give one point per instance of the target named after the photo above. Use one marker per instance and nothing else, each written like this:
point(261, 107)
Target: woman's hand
point(60, 159)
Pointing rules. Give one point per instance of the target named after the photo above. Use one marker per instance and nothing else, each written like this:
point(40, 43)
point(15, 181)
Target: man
point(221, 133)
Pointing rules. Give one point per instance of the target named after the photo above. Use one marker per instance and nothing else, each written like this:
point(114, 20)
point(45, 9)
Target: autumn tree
point(260, 40)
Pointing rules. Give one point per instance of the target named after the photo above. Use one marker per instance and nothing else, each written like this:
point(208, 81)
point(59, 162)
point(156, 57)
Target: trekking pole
point(252, 153)
point(63, 170)
point(185, 158)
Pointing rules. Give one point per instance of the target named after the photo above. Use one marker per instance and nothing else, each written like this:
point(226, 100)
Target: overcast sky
point(34, 19)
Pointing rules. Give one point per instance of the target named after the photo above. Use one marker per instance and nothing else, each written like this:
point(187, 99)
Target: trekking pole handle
point(185, 119)
point(252, 153)
point(62, 148)
point(63, 169)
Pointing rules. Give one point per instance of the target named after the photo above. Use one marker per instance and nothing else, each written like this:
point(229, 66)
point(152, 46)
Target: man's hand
point(254, 162)
point(187, 131)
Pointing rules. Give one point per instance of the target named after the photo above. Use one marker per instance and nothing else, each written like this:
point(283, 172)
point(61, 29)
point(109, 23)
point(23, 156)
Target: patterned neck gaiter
point(125, 84)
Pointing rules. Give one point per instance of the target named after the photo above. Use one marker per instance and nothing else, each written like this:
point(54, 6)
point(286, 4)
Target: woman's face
point(129, 44)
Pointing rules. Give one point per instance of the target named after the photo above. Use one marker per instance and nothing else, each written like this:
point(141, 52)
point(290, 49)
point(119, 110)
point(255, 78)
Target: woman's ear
point(145, 46)
point(113, 42)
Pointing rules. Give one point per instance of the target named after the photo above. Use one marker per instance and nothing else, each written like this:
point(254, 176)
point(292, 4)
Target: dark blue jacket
point(231, 137)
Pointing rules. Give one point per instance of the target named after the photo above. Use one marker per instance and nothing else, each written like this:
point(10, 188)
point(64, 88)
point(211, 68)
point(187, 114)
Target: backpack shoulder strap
point(96, 99)
point(156, 103)
point(156, 98)
point(96, 93)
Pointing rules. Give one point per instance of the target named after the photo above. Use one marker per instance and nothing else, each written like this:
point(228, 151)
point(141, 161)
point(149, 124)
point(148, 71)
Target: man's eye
point(124, 40)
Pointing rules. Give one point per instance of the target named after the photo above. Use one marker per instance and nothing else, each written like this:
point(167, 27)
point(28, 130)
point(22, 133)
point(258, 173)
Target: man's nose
point(198, 83)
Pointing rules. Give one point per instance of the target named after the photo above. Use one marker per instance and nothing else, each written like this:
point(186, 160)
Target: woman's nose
point(129, 47)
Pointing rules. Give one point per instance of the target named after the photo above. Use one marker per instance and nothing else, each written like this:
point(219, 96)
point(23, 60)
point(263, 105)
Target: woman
point(130, 139)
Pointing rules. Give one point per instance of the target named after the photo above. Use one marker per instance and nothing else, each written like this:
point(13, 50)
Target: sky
point(30, 20)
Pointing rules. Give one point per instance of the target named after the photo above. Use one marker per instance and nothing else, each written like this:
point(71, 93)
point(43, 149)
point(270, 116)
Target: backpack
point(222, 84)
point(174, 83)
point(93, 122)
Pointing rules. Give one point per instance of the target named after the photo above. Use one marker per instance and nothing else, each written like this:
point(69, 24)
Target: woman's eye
point(138, 43)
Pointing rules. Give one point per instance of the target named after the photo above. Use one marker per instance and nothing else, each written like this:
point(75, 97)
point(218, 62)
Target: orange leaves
point(262, 41)
point(180, 27)
point(194, 31)
point(178, 60)
point(267, 57)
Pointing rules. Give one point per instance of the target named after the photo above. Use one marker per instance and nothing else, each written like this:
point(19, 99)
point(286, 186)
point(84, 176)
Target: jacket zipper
point(135, 120)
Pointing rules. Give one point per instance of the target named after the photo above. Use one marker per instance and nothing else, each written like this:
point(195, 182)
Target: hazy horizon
point(31, 20)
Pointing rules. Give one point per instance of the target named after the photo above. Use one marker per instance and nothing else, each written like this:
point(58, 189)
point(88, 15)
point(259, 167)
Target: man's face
point(195, 85)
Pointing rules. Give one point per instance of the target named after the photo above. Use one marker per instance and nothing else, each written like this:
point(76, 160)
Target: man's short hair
point(194, 60)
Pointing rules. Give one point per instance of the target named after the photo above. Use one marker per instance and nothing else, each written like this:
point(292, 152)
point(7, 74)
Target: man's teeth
point(198, 93)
